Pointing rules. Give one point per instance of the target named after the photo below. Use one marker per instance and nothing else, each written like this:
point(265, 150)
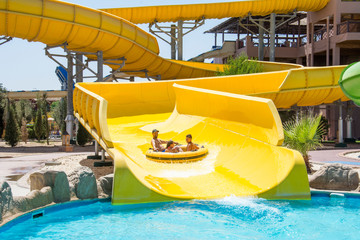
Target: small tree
point(59, 111)
point(240, 65)
point(82, 136)
point(2, 109)
point(304, 134)
point(12, 130)
point(38, 126)
point(24, 131)
point(45, 118)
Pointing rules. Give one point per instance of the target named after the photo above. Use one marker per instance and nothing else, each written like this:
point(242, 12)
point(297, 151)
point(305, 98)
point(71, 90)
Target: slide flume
point(243, 133)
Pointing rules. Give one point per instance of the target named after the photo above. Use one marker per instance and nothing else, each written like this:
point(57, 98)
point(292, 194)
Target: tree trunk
point(307, 163)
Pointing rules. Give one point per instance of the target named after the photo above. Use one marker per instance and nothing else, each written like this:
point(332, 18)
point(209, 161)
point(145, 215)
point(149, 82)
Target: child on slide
point(171, 148)
point(190, 145)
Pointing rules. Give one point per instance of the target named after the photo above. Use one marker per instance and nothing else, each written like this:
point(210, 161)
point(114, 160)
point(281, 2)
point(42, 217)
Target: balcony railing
point(322, 34)
point(348, 26)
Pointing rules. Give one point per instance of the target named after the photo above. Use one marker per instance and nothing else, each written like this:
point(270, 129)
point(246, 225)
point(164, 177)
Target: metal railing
point(322, 34)
point(348, 26)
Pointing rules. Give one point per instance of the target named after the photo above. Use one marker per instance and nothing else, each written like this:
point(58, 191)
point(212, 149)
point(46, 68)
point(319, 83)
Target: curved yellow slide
point(173, 13)
point(243, 133)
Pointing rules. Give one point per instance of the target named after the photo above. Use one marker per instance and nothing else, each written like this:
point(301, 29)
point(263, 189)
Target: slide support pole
point(180, 40)
point(70, 88)
point(173, 41)
point(100, 65)
point(341, 129)
point(272, 36)
point(261, 41)
point(78, 68)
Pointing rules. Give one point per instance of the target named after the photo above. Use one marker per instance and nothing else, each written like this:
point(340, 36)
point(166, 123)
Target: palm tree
point(304, 134)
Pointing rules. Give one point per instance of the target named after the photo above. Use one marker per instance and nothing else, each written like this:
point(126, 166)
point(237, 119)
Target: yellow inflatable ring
point(181, 157)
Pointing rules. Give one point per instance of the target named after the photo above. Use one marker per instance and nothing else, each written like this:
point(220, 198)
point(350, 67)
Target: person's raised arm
point(162, 141)
point(153, 144)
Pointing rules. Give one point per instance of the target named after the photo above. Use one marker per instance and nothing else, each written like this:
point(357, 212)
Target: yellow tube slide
point(173, 13)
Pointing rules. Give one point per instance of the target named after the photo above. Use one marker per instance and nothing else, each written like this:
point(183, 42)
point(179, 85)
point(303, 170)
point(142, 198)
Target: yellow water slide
point(173, 13)
point(242, 132)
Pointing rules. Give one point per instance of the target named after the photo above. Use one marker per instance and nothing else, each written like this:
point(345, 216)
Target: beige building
point(328, 37)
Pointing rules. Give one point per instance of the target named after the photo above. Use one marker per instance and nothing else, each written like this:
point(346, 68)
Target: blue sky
point(24, 66)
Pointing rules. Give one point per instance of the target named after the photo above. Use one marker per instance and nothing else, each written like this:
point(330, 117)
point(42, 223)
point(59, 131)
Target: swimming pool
point(228, 218)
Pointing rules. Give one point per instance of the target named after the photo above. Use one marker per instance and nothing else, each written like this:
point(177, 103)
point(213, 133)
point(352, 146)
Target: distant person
point(157, 143)
point(171, 148)
point(190, 145)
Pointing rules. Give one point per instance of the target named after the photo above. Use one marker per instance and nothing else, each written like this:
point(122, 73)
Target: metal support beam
point(76, 58)
point(261, 42)
point(272, 36)
point(96, 148)
point(70, 108)
point(100, 65)
point(103, 155)
point(297, 113)
point(274, 24)
point(341, 129)
point(349, 126)
point(173, 41)
point(4, 40)
point(79, 68)
point(328, 41)
point(176, 34)
point(180, 40)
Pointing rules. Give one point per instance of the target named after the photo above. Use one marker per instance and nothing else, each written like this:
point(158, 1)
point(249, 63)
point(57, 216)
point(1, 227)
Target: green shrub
point(2, 109)
point(59, 112)
point(12, 133)
point(304, 134)
point(46, 128)
point(82, 136)
point(39, 126)
point(240, 65)
point(31, 132)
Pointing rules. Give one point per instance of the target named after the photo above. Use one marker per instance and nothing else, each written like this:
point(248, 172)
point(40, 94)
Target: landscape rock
point(84, 182)
point(41, 179)
point(6, 198)
point(61, 188)
point(57, 180)
point(34, 199)
point(39, 198)
point(106, 183)
point(335, 177)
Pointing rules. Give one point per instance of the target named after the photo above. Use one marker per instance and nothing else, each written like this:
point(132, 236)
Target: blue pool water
point(229, 218)
point(346, 162)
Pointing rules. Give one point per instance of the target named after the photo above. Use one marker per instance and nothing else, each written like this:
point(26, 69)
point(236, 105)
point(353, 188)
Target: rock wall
point(6, 199)
point(335, 177)
point(84, 182)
